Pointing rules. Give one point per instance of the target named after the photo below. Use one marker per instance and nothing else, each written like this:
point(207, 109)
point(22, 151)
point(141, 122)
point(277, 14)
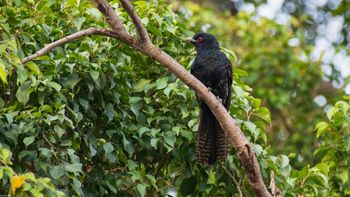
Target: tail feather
point(211, 142)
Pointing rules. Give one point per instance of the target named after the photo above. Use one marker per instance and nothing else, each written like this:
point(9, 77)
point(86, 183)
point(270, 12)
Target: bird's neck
point(208, 50)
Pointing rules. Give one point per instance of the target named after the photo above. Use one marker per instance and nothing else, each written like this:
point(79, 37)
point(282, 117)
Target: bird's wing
point(228, 68)
point(195, 71)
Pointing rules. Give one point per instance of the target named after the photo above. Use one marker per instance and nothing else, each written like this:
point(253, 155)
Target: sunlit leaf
point(3, 75)
point(34, 68)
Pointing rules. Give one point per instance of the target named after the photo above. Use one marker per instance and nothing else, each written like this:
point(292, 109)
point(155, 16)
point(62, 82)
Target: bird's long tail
point(211, 144)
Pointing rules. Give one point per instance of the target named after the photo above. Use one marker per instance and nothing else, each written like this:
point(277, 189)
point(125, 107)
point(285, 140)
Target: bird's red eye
point(199, 39)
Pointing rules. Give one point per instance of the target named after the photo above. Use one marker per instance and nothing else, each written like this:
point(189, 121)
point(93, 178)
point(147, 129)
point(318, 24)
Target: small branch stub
point(275, 191)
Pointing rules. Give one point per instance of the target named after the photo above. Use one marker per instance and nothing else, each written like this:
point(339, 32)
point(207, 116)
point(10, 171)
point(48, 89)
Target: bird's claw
point(209, 89)
point(219, 99)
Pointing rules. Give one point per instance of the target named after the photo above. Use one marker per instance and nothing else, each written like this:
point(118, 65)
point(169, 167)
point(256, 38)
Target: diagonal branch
point(142, 35)
point(64, 40)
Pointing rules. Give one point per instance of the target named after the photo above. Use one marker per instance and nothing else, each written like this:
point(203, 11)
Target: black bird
point(214, 70)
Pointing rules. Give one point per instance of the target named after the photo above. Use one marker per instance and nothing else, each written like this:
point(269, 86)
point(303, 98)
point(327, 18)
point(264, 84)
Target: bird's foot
point(219, 99)
point(209, 89)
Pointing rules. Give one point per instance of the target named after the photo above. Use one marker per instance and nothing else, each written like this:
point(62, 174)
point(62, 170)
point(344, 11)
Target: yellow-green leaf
point(3, 72)
point(34, 68)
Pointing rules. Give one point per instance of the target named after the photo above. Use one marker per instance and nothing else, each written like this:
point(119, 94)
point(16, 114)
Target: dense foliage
point(94, 117)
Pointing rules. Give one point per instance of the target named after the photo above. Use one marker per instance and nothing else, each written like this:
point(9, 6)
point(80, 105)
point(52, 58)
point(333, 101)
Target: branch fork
point(143, 44)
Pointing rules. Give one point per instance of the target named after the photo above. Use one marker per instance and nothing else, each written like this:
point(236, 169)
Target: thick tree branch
point(142, 43)
point(77, 35)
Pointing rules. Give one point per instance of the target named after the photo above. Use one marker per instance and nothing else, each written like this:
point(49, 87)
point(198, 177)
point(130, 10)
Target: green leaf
point(109, 112)
point(170, 140)
point(94, 74)
point(292, 155)
point(258, 149)
point(231, 55)
point(71, 3)
point(256, 103)
point(75, 167)
point(57, 171)
point(34, 68)
point(321, 127)
point(108, 148)
point(84, 103)
point(128, 146)
point(343, 175)
point(141, 190)
point(5, 155)
point(111, 187)
point(172, 29)
point(12, 44)
point(252, 128)
point(140, 85)
point(24, 92)
point(3, 76)
point(284, 161)
point(94, 12)
point(162, 83)
point(59, 131)
point(154, 142)
point(240, 72)
point(145, 21)
point(22, 74)
point(46, 108)
point(28, 140)
point(212, 177)
point(324, 168)
point(263, 113)
point(79, 22)
point(158, 18)
point(35, 192)
point(54, 85)
point(143, 130)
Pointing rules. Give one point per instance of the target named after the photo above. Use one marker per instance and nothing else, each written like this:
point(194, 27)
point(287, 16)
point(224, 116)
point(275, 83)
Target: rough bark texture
point(143, 44)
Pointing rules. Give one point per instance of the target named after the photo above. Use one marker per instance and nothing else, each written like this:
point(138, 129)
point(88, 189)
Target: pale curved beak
point(191, 40)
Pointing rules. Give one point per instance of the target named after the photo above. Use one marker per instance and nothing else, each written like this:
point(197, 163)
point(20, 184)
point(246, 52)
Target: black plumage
point(214, 70)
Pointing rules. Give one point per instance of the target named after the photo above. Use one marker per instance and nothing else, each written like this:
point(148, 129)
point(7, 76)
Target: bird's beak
point(191, 40)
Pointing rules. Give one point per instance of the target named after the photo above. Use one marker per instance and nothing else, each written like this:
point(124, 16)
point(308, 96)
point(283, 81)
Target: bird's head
point(204, 41)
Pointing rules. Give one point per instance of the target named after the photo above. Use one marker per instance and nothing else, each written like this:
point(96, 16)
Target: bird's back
point(214, 70)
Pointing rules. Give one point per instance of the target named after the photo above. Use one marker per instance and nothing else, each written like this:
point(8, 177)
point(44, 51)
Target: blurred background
point(297, 56)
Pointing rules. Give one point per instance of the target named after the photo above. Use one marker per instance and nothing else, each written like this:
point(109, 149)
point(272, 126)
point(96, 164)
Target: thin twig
point(69, 38)
point(52, 146)
point(142, 35)
point(3, 162)
point(238, 183)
